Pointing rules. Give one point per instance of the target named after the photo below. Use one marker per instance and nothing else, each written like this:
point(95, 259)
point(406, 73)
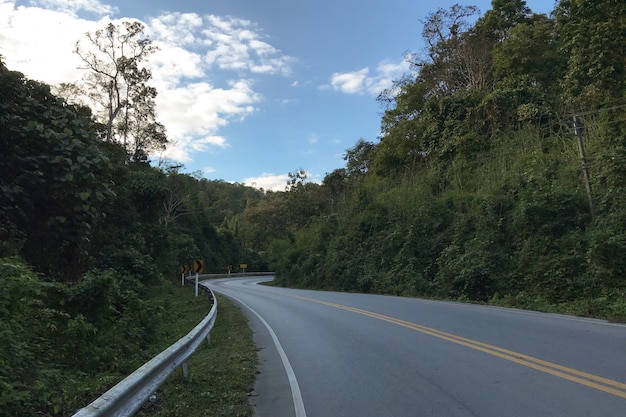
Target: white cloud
point(362, 82)
point(268, 182)
point(350, 82)
point(176, 29)
point(234, 45)
point(44, 58)
point(73, 7)
point(172, 64)
point(386, 73)
point(287, 101)
point(190, 106)
point(194, 112)
point(274, 182)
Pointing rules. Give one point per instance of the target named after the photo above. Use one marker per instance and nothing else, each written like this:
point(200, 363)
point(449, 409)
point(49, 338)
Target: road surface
point(328, 354)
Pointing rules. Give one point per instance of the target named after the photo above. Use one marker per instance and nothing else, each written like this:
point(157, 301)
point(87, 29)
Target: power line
point(597, 111)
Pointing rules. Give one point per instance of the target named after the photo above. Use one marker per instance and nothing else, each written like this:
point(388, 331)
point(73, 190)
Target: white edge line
point(298, 404)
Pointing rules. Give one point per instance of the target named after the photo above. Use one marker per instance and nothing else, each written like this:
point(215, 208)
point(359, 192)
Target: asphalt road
point(328, 354)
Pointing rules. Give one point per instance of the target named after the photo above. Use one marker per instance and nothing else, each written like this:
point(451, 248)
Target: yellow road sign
point(198, 266)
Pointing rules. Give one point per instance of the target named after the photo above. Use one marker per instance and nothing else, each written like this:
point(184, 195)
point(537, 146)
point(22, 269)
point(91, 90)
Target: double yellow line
point(593, 381)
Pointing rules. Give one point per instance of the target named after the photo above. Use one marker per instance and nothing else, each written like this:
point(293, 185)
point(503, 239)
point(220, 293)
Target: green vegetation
point(54, 364)
point(474, 192)
point(221, 373)
point(88, 233)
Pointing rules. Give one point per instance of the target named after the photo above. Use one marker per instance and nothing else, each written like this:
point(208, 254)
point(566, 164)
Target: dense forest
point(90, 233)
point(476, 187)
point(477, 190)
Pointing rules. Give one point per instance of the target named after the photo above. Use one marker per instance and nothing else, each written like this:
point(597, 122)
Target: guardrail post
point(185, 368)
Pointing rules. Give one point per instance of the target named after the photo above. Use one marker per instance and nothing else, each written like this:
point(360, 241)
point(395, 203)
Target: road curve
point(334, 354)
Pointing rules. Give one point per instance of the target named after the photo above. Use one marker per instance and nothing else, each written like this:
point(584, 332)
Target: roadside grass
point(222, 372)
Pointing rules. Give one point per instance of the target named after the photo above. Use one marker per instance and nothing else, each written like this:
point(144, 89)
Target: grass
point(222, 372)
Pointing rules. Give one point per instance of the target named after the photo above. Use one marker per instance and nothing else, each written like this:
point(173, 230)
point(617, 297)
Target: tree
point(265, 222)
point(457, 58)
point(359, 158)
point(444, 25)
point(174, 203)
point(336, 186)
point(297, 180)
point(504, 15)
point(401, 145)
point(303, 200)
point(530, 54)
point(117, 84)
point(591, 34)
point(55, 175)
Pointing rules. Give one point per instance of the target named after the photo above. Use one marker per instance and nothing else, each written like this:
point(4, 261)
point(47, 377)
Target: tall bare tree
point(116, 84)
point(457, 58)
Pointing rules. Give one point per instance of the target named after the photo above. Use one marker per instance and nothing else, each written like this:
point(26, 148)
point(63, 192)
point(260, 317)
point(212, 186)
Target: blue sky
point(249, 90)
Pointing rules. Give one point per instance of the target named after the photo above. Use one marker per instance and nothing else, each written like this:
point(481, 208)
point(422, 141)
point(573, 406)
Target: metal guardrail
point(125, 398)
point(197, 277)
point(231, 275)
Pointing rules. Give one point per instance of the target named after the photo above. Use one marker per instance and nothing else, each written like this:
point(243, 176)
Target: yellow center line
point(593, 381)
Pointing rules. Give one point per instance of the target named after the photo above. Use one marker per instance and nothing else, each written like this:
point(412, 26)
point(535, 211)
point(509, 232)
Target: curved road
point(326, 354)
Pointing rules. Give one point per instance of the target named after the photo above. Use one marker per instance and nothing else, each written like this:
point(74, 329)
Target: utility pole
point(578, 131)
